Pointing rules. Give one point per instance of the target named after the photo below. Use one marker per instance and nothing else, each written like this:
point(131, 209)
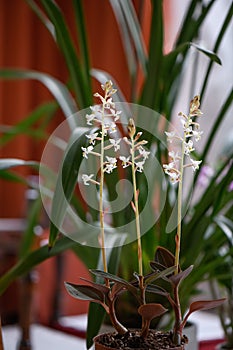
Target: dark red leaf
point(205, 305)
point(150, 311)
point(102, 288)
point(164, 257)
point(83, 292)
point(176, 279)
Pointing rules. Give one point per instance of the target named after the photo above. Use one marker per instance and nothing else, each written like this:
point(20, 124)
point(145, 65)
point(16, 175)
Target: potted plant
point(165, 68)
point(165, 265)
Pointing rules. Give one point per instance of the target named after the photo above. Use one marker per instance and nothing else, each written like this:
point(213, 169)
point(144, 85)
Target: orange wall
point(25, 43)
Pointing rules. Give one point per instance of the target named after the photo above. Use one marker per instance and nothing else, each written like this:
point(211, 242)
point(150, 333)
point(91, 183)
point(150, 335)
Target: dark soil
point(132, 340)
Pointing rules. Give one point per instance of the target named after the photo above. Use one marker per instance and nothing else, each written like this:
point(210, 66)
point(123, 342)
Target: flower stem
point(140, 269)
point(101, 209)
point(179, 211)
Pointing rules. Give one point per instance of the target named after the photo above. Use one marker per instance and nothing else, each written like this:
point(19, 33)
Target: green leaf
point(213, 56)
point(7, 163)
point(216, 47)
point(48, 24)
point(226, 225)
point(24, 126)
point(96, 315)
point(32, 259)
point(82, 41)
point(131, 34)
point(32, 220)
point(57, 89)
point(66, 181)
point(66, 45)
point(192, 22)
point(151, 91)
point(8, 176)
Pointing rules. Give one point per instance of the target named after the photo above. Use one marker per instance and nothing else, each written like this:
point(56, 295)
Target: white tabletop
point(42, 338)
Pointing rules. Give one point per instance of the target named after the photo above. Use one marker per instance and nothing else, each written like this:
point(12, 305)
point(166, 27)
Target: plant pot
point(155, 341)
point(190, 330)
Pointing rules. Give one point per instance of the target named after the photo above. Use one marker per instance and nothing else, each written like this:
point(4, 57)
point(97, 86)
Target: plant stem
point(140, 269)
point(116, 324)
point(179, 212)
point(101, 210)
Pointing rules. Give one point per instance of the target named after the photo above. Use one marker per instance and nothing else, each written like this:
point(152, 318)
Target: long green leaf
point(216, 47)
point(192, 24)
point(32, 220)
point(7, 163)
point(66, 181)
point(66, 45)
point(24, 126)
point(8, 176)
point(150, 94)
point(48, 24)
point(125, 35)
point(33, 259)
point(131, 33)
point(220, 118)
point(82, 41)
point(57, 89)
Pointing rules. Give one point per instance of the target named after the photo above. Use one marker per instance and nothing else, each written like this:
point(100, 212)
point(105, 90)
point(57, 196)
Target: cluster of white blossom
point(104, 117)
point(191, 129)
point(138, 154)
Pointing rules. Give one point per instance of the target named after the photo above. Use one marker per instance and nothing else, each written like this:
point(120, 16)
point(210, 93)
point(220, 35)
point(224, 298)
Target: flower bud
point(131, 128)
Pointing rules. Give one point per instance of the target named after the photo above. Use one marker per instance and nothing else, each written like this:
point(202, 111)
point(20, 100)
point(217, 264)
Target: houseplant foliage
point(166, 265)
point(160, 89)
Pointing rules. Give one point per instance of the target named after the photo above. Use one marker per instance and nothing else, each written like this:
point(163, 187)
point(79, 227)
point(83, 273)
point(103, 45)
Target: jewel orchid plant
point(165, 266)
point(164, 258)
point(104, 117)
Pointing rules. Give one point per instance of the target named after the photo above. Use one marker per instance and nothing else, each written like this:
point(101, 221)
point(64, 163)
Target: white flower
point(125, 161)
point(195, 164)
point(92, 137)
point(188, 147)
point(111, 164)
point(95, 115)
point(145, 154)
point(174, 177)
point(115, 144)
point(115, 114)
point(109, 127)
point(90, 118)
point(86, 178)
point(86, 151)
point(170, 136)
point(109, 104)
point(185, 121)
point(139, 166)
point(168, 167)
point(112, 128)
point(188, 131)
point(174, 156)
point(197, 135)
